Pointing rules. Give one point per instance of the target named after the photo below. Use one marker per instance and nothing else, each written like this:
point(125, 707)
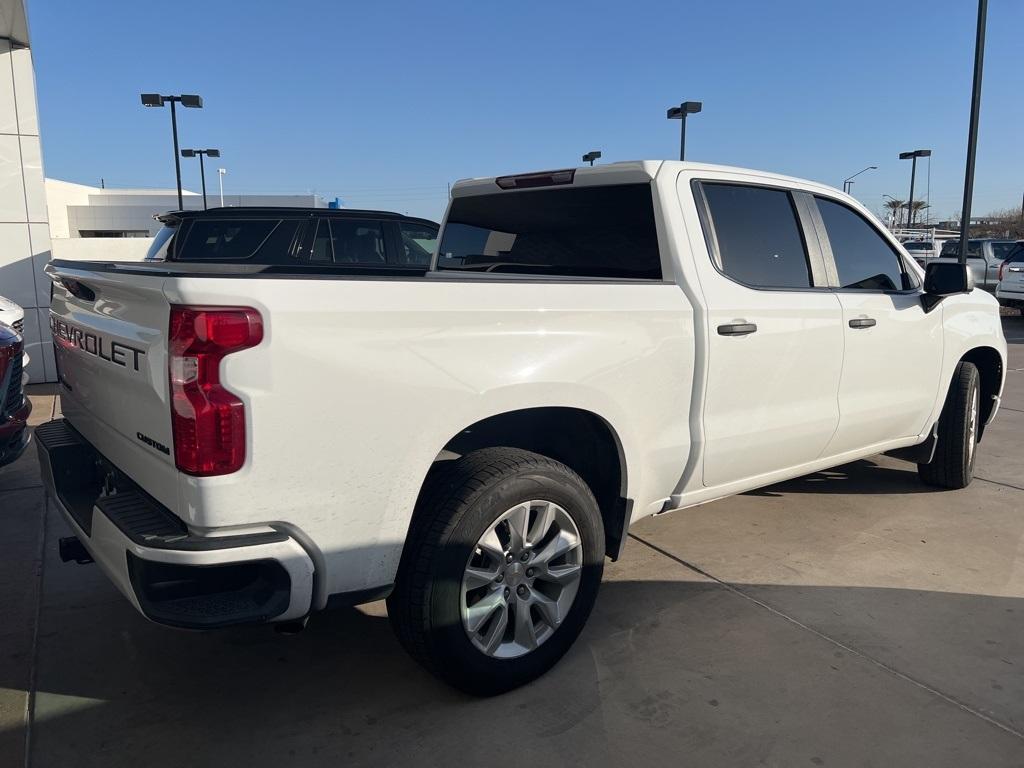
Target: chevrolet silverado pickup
point(473, 438)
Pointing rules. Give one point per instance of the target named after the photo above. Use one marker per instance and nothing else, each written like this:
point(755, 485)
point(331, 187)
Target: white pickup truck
point(471, 440)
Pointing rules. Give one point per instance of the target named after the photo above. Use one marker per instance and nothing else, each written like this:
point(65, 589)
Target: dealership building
point(24, 225)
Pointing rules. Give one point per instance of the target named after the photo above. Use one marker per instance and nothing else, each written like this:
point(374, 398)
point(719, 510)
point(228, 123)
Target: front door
point(775, 335)
point(893, 348)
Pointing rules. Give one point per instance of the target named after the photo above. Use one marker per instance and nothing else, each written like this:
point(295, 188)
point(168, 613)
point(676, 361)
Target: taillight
point(207, 420)
point(542, 179)
point(1002, 268)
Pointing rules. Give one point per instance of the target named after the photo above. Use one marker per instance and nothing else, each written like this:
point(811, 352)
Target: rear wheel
point(959, 430)
point(501, 570)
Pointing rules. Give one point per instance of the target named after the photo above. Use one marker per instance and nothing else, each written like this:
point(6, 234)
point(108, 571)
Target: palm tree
point(894, 206)
point(918, 207)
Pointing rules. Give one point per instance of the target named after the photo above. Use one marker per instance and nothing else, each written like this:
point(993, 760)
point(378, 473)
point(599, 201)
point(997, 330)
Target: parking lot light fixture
point(913, 172)
point(201, 153)
point(679, 113)
point(848, 184)
point(590, 157)
point(190, 100)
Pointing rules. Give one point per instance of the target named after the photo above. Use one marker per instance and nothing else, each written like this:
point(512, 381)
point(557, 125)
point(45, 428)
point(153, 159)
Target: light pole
point(679, 113)
point(590, 157)
point(848, 184)
point(913, 171)
point(202, 170)
point(220, 179)
point(972, 133)
point(187, 100)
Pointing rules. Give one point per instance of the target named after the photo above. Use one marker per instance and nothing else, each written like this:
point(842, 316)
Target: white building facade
point(24, 227)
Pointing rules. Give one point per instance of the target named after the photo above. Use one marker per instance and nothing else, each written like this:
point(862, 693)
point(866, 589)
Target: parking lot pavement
point(851, 617)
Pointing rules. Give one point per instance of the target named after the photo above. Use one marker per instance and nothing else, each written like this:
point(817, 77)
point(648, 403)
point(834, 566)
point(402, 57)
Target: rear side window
point(224, 239)
point(1003, 251)
point(758, 236)
point(579, 232)
point(259, 241)
point(345, 241)
point(1015, 254)
point(864, 259)
point(418, 242)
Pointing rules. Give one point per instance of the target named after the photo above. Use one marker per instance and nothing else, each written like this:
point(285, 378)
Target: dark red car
point(14, 406)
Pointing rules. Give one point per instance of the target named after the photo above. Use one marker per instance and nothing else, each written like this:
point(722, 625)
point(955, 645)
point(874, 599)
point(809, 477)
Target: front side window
point(758, 235)
point(575, 231)
point(418, 243)
point(864, 259)
point(357, 241)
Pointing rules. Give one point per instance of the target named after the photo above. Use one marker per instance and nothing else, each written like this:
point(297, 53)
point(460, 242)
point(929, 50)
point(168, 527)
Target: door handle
point(736, 329)
point(862, 322)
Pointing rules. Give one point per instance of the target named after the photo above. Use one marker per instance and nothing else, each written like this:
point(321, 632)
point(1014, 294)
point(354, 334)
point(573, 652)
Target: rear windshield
point(918, 246)
point(579, 231)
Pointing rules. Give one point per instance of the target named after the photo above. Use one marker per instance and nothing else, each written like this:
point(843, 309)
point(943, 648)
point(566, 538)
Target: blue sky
point(384, 103)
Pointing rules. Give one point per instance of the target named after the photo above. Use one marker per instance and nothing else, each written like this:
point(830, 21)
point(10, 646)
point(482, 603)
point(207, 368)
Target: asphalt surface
point(851, 617)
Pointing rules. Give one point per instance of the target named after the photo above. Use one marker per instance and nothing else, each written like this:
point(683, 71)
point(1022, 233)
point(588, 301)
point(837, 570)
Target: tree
point(894, 207)
point(919, 206)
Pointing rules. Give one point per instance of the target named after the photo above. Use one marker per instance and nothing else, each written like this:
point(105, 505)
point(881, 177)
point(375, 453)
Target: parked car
point(984, 255)
point(14, 406)
point(13, 315)
point(589, 347)
point(1010, 287)
point(272, 239)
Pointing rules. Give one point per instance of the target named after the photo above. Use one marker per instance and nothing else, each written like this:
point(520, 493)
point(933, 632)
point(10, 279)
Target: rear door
point(893, 348)
point(775, 336)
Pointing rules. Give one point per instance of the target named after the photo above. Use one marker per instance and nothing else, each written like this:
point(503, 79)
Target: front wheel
point(952, 466)
point(501, 569)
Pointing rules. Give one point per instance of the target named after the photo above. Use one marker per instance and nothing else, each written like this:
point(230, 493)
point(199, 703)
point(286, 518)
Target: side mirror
point(945, 278)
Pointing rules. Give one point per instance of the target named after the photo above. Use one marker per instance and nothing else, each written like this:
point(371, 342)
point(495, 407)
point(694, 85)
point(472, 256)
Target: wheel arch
point(990, 367)
point(581, 439)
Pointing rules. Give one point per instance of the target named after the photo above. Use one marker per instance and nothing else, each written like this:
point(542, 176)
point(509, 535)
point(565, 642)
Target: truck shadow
point(866, 476)
point(663, 666)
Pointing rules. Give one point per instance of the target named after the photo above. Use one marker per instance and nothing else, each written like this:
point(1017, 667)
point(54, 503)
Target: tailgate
point(110, 340)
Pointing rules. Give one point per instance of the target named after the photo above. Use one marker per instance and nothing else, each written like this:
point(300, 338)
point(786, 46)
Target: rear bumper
point(171, 575)
point(1009, 298)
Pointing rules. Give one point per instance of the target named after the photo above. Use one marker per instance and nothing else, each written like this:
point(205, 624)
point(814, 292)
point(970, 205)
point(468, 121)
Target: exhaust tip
point(291, 627)
point(71, 548)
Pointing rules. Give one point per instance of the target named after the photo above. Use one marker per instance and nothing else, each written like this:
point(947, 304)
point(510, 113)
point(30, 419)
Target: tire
point(429, 607)
point(952, 466)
